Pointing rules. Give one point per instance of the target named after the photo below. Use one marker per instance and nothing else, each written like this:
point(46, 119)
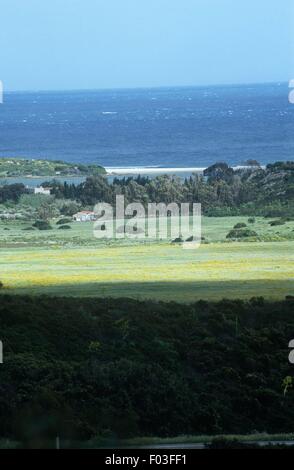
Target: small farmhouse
point(84, 216)
point(41, 190)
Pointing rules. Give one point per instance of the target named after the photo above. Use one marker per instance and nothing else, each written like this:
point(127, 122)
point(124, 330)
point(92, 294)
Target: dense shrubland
point(80, 368)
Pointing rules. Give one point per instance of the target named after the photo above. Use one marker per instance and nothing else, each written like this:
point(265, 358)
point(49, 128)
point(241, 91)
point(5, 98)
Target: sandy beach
point(111, 171)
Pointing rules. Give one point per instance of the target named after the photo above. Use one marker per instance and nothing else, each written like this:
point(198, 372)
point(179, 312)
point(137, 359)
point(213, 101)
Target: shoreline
point(125, 171)
point(121, 171)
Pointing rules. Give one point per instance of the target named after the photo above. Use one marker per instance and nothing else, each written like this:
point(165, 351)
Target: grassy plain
point(73, 262)
point(214, 229)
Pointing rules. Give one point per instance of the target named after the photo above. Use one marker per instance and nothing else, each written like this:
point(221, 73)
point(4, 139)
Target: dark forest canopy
point(80, 368)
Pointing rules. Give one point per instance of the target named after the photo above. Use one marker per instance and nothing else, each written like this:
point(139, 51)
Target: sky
point(93, 44)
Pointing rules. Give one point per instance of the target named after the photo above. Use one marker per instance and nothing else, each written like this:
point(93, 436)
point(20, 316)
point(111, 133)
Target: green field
point(73, 262)
point(21, 167)
point(214, 229)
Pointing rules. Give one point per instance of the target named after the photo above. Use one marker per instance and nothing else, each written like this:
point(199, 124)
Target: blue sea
point(166, 127)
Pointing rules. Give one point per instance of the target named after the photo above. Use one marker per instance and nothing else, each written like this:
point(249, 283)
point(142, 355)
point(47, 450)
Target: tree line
point(221, 190)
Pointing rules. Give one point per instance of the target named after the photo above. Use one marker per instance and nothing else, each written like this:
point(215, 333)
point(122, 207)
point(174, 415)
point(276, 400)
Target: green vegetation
point(22, 167)
point(42, 225)
point(221, 191)
point(64, 221)
point(152, 271)
point(242, 233)
point(115, 366)
point(201, 439)
point(240, 225)
point(235, 444)
point(214, 230)
point(73, 262)
point(121, 368)
point(275, 223)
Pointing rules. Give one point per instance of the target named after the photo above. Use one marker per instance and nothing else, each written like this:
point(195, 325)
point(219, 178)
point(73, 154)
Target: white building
point(41, 190)
point(84, 216)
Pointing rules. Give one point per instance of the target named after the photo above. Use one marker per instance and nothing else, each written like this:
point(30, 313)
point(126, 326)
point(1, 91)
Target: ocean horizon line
point(151, 87)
